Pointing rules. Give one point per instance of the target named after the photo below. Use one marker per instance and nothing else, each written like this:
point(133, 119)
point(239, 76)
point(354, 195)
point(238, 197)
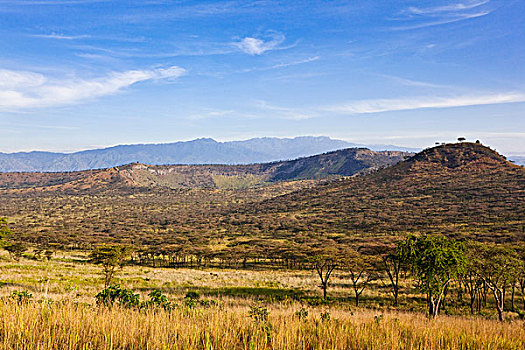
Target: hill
point(200, 151)
point(345, 162)
point(455, 188)
point(464, 190)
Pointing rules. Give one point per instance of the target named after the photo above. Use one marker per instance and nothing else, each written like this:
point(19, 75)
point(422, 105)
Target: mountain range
point(345, 162)
point(199, 151)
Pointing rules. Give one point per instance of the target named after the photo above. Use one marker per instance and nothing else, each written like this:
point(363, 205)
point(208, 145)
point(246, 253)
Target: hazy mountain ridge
point(199, 151)
point(346, 162)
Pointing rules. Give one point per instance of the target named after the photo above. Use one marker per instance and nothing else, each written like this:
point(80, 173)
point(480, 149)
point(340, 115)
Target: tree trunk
point(504, 297)
point(431, 307)
point(498, 298)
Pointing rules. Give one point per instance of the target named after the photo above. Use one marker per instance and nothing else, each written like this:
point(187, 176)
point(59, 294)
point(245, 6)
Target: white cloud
point(419, 17)
point(14, 79)
point(254, 46)
point(22, 89)
point(60, 36)
point(281, 65)
point(457, 18)
point(460, 6)
point(389, 105)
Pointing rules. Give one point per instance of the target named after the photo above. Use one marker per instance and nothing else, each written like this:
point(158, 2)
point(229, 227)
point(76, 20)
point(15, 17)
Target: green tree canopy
point(110, 257)
point(5, 231)
point(434, 261)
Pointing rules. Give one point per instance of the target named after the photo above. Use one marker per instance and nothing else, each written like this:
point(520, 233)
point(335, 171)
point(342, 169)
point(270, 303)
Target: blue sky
point(78, 74)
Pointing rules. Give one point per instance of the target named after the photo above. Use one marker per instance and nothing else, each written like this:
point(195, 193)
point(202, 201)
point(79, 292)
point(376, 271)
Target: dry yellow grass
point(62, 314)
point(69, 326)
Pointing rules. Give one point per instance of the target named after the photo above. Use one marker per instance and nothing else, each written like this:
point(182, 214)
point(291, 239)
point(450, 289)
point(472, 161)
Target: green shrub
point(259, 313)
point(157, 299)
point(22, 297)
point(124, 297)
point(325, 316)
point(192, 295)
point(302, 314)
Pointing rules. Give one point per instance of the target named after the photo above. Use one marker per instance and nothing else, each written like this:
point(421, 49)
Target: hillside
point(345, 162)
point(464, 190)
point(453, 188)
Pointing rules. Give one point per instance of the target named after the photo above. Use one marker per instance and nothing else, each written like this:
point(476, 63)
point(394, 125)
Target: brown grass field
point(70, 326)
point(62, 314)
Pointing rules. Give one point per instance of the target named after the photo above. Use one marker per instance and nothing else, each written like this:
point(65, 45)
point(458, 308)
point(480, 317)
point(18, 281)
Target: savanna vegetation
point(427, 254)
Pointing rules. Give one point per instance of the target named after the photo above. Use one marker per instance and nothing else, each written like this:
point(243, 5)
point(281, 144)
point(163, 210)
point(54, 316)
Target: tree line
point(441, 268)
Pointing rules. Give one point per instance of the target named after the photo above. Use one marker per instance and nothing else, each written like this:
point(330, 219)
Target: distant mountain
point(199, 151)
point(346, 162)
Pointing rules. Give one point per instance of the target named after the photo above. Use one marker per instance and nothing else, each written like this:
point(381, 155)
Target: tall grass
point(79, 326)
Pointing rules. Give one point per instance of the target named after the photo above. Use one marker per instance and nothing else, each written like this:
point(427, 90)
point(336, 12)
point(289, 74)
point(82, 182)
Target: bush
point(259, 313)
point(325, 316)
point(192, 295)
point(157, 299)
point(124, 297)
point(301, 314)
point(22, 297)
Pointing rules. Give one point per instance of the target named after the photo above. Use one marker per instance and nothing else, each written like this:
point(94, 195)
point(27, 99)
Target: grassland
point(69, 326)
point(62, 313)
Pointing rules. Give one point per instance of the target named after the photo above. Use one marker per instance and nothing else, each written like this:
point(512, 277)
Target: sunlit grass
point(68, 326)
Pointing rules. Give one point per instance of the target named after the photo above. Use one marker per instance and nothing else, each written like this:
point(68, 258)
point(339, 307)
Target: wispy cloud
point(48, 2)
point(390, 105)
point(294, 63)
point(286, 112)
point(460, 6)
point(281, 65)
point(60, 36)
point(417, 83)
point(456, 18)
point(210, 113)
point(421, 17)
point(22, 90)
point(257, 46)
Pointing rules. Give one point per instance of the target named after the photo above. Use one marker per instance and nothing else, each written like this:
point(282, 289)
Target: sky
point(81, 74)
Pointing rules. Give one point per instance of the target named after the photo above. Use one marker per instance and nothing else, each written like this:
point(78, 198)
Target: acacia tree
point(470, 277)
point(110, 257)
point(15, 249)
point(4, 230)
point(393, 263)
point(435, 262)
point(496, 265)
point(359, 267)
point(325, 264)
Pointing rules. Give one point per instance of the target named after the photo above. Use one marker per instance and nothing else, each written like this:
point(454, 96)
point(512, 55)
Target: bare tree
point(360, 269)
point(325, 264)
